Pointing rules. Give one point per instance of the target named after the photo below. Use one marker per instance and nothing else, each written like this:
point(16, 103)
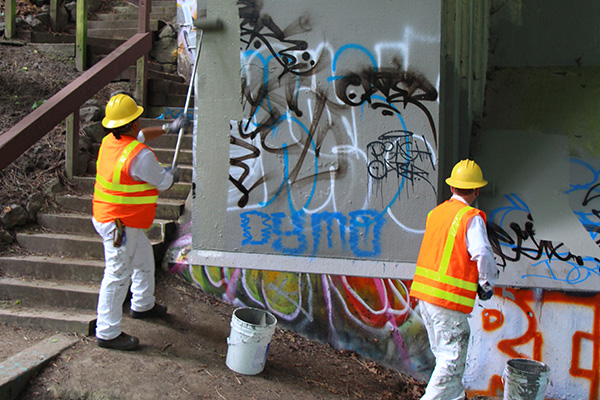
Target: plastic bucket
point(525, 379)
point(249, 340)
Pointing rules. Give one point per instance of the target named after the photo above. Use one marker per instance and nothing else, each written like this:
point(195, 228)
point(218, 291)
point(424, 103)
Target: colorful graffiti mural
point(373, 316)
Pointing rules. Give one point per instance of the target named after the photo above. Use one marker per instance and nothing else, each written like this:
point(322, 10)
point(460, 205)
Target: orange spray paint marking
point(525, 297)
point(496, 388)
point(522, 297)
point(492, 319)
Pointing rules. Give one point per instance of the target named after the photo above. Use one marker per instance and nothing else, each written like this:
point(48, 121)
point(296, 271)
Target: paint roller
point(201, 25)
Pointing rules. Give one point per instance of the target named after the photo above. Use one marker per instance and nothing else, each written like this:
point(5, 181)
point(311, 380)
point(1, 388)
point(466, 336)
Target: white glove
point(174, 173)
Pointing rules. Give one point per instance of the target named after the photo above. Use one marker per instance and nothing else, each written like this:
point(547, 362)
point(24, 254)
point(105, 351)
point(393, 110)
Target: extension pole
point(202, 26)
point(187, 99)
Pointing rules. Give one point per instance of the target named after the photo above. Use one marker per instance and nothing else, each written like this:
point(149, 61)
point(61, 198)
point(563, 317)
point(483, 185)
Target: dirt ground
point(183, 357)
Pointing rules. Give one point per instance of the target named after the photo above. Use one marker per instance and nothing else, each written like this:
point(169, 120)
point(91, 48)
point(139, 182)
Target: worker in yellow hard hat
point(455, 265)
point(128, 180)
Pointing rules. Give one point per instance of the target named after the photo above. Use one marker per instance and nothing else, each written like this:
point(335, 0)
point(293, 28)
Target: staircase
point(107, 31)
point(56, 286)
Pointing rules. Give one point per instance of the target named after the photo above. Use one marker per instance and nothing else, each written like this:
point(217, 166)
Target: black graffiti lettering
point(397, 151)
point(322, 100)
point(254, 102)
point(239, 162)
point(386, 90)
point(512, 249)
point(260, 29)
point(396, 86)
point(591, 194)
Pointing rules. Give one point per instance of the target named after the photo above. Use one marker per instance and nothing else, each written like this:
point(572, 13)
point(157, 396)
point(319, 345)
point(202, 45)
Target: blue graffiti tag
point(364, 227)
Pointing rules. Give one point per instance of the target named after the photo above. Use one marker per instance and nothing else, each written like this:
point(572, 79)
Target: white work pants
point(448, 332)
point(132, 262)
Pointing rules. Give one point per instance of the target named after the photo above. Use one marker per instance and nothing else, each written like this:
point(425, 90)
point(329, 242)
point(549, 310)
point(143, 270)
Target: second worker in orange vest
point(455, 264)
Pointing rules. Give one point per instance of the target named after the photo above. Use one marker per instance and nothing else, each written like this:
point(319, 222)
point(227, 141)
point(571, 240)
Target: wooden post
point(72, 144)
point(141, 72)
point(54, 15)
point(144, 9)
point(10, 30)
point(141, 81)
point(81, 36)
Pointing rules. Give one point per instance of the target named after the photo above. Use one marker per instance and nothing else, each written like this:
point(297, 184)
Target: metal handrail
point(68, 100)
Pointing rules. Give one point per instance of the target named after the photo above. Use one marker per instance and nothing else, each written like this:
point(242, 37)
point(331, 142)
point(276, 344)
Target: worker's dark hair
point(121, 129)
point(464, 192)
point(125, 92)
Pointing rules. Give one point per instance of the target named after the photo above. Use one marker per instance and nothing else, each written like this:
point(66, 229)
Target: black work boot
point(121, 342)
point(158, 311)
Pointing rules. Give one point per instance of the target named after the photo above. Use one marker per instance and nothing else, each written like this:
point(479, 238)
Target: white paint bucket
point(249, 340)
point(525, 379)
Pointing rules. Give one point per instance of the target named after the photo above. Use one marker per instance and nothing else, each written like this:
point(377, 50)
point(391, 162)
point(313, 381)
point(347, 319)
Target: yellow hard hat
point(121, 110)
point(466, 174)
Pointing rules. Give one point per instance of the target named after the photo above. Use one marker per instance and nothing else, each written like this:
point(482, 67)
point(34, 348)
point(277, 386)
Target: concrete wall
point(334, 153)
point(537, 33)
point(537, 144)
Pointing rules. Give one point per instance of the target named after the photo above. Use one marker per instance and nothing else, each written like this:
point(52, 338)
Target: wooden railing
point(66, 103)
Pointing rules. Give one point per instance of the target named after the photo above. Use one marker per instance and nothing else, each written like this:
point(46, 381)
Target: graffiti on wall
point(322, 118)
point(512, 233)
point(372, 316)
point(337, 139)
point(333, 145)
point(558, 329)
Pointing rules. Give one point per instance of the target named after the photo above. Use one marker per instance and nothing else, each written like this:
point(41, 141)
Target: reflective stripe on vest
point(116, 186)
point(441, 274)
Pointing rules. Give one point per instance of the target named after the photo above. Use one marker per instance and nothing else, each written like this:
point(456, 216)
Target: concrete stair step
point(154, 73)
point(158, 98)
point(112, 24)
point(115, 33)
point(65, 222)
point(185, 175)
point(157, 7)
point(85, 184)
point(170, 209)
point(60, 244)
point(166, 86)
point(163, 4)
point(166, 156)
point(49, 294)
point(132, 15)
point(163, 112)
point(53, 268)
point(169, 141)
point(164, 147)
point(160, 7)
point(82, 322)
point(82, 223)
point(60, 50)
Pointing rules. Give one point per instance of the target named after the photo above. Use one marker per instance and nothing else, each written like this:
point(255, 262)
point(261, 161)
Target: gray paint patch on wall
point(536, 165)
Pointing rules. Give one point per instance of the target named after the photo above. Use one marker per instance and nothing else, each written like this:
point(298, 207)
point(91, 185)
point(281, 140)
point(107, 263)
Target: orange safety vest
point(445, 275)
point(118, 195)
